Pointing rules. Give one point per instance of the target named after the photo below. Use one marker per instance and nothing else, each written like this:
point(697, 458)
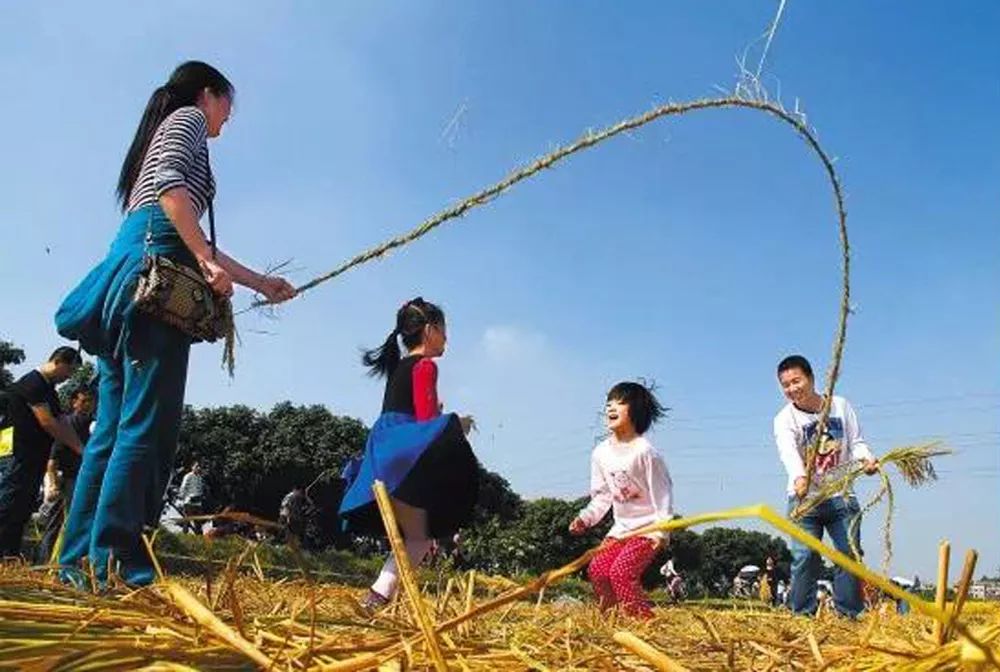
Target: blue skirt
point(427, 464)
point(98, 312)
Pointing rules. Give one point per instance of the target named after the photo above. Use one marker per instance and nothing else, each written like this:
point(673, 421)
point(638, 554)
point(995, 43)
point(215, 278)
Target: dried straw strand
point(650, 654)
point(962, 592)
point(407, 578)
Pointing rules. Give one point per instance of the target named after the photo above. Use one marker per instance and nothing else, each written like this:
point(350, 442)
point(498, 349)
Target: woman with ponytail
point(420, 453)
point(164, 186)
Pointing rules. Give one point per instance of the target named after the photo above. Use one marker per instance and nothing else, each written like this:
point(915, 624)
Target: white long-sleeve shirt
point(192, 488)
point(795, 429)
point(631, 479)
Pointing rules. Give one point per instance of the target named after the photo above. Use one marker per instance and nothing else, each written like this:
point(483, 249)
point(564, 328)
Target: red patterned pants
point(615, 573)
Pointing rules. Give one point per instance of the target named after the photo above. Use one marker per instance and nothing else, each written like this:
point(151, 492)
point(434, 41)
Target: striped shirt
point(177, 157)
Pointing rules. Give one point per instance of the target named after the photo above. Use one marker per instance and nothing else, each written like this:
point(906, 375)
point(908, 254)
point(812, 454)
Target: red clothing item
point(615, 574)
point(425, 396)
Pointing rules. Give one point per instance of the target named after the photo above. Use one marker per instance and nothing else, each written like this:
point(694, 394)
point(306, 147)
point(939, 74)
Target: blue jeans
point(833, 515)
point(143, 369)
point(127, 460)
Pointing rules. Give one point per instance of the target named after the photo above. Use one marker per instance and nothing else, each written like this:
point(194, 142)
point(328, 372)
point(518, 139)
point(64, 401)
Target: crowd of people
point(102, 486)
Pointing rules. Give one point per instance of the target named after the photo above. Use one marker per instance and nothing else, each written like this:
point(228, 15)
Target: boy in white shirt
point(795, 428)
point(630, 478)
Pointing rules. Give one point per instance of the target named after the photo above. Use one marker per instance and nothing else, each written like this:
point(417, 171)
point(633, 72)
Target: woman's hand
point(275, 288)
point(218, 278)
point(577, 527)
point(871, 466)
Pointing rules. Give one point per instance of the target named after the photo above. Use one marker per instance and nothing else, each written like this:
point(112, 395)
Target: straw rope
point(750, 101)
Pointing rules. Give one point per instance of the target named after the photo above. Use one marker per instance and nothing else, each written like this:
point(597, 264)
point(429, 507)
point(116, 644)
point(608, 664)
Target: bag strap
point(211, 213)
point(211, 226)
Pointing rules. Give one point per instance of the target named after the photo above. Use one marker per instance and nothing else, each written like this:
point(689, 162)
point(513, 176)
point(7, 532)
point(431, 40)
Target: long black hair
point(411, 319)
point(182, 89)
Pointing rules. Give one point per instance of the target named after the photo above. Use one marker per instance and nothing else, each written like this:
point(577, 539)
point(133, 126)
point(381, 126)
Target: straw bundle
point(912, 462)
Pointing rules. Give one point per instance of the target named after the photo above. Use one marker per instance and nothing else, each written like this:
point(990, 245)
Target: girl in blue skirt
point(165, 185)
point(420, 453)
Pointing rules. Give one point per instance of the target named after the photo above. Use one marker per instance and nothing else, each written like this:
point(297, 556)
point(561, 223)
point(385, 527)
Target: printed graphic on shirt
point(623, 488)
point(828, 455)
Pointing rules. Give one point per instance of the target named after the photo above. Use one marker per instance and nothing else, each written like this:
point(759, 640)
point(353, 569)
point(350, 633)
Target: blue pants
point(127, 462)
point(833, 515)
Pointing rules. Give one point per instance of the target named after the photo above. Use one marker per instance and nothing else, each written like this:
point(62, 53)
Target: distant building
point(985, 590)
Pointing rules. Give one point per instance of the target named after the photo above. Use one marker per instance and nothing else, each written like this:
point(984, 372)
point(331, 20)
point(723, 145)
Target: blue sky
point(696, 252)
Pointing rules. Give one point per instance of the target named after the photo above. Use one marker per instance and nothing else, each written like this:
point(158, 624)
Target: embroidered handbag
point(180, 296)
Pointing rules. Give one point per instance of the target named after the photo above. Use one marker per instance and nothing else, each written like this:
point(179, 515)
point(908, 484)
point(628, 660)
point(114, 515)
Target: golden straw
point(409, 581)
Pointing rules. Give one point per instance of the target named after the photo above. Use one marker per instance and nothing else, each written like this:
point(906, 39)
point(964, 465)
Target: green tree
point(495, 547)
point(687, 550)
point(308, 446)
point(725, 550)
point(536, 541)
point(224, 441)
point(252, 459)
point(496, 498)
point(10, 355)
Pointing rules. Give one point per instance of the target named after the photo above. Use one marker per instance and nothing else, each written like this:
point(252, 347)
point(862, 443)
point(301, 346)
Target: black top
point(399, 388)
point(30, 390)
point(66, 458)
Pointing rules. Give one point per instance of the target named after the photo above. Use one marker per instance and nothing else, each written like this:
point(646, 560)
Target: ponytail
point(382, 361)
point(186, 84)
point(157, 109)
point(411, 319)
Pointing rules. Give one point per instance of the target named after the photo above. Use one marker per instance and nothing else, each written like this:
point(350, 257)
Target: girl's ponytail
point(382, 361)
point(411, 318)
